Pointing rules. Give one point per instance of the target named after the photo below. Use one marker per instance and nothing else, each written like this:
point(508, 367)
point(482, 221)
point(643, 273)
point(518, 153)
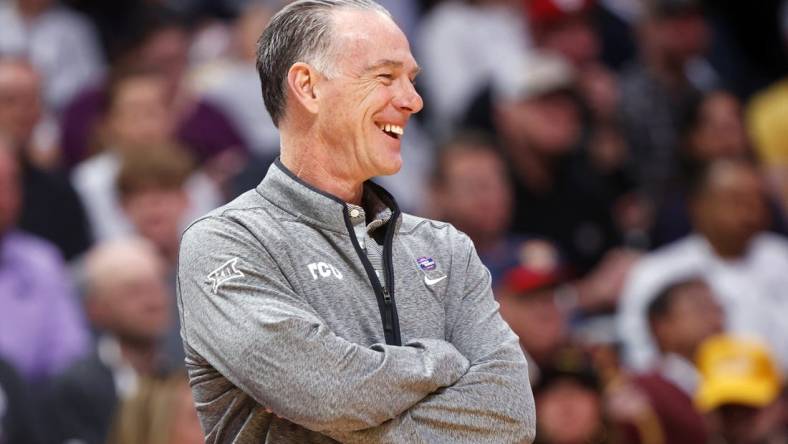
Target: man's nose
point(408, 98)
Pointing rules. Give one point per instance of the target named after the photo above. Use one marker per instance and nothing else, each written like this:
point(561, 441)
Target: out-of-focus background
point(621, 166)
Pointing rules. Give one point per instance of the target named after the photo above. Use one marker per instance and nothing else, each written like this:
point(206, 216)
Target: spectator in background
point(471, 190)
point(126, 301)
point(567, 29)
point(672, 36)
point(60, 43)
point(154, 197)
point(41, 328)
point(556, 192)
point(713, 128)
point(741, 391)
point(161, 46)
point(46, 196)
point(681, 317)
point(529, 298)
point(162, 412)
point(137, 120)
point(461, 44)
point(744, 265)
point(570, 402)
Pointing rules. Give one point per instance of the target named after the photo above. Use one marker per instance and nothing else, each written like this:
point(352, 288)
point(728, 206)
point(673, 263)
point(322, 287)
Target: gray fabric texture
point(278, 313)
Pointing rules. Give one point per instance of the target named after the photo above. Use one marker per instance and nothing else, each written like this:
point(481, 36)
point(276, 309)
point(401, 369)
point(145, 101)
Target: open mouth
point(393, 131)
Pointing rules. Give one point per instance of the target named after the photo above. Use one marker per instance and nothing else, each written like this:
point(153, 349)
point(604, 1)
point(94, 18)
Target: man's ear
point(301, 81)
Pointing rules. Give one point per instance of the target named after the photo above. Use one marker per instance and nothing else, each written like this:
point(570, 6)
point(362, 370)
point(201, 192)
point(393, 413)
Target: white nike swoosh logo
point(432, 282)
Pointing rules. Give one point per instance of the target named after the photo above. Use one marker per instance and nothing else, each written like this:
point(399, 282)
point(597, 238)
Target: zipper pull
point(386, 296)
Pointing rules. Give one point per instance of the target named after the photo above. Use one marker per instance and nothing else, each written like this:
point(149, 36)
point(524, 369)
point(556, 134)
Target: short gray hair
point(300, 32)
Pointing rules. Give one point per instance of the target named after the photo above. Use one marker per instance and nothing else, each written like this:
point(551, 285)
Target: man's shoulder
point(249, 220)
point(424, 231)
point(413, 225)
point(249, 205)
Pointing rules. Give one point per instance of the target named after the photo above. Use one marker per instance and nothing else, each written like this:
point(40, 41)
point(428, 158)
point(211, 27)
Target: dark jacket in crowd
point(51, 209)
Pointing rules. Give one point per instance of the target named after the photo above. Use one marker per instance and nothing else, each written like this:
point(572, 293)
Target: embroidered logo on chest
point(431, 275)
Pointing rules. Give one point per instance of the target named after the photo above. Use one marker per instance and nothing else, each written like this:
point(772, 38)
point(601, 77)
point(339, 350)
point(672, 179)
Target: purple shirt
point(42, 330)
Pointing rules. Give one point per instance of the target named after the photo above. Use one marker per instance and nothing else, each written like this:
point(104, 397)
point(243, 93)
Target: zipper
point(388, 265)
point(384, 295)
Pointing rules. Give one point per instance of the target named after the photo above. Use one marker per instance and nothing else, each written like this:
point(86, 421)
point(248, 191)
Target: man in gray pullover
point(312, 310)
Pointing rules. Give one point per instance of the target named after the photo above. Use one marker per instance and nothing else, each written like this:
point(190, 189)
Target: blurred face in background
point(677, 38)
point(10, 187)
point(694, 315)
point(731, 208)
point(129, 298)
point(537, 320)
point(167, 52)
point(720, 130)
point(20, 100)
point(568, 413)
point(548, 124)
point(475, 194)
point(138, 113)
point(157, 213)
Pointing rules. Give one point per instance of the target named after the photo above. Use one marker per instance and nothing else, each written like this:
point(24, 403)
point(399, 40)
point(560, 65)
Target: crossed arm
point(472, 387)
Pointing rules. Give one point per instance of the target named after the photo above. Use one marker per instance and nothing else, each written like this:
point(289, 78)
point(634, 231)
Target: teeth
point(394, 129)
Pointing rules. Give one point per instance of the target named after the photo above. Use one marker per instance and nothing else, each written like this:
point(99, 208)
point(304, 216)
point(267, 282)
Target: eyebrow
point(386, 63)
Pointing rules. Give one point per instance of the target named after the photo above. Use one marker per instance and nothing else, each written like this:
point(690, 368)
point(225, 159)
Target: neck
point(315, 165)
point(727, 249)
point(140, 354)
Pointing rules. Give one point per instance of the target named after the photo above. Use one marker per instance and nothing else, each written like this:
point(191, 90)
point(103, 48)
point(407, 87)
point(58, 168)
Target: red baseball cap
point(553, 11)
point(540, 268)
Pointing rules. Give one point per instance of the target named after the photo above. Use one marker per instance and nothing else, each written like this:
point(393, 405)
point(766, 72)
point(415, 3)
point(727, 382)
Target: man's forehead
point(371, 39)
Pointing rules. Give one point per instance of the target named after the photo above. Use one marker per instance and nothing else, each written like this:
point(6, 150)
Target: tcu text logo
point(323, 269)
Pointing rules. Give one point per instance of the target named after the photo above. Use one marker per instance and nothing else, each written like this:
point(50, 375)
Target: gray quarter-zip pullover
point(281, 310)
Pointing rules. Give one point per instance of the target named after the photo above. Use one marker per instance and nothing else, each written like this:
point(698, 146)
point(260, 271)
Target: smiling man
point(312, 309)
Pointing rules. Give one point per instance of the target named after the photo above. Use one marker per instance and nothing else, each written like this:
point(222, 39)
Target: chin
point(390, 166)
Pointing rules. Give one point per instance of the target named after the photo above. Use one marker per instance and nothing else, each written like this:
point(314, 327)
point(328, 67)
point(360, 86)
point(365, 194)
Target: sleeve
point(493, 401)
point(269, 342)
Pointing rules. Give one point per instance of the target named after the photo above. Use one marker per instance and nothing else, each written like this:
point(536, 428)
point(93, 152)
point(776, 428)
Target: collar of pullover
point(287, 191)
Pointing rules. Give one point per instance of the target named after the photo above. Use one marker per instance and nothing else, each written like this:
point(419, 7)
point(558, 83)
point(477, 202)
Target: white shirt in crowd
point(752, 290)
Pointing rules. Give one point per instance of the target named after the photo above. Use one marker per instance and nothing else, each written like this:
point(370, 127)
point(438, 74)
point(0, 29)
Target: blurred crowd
point(621, 166)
